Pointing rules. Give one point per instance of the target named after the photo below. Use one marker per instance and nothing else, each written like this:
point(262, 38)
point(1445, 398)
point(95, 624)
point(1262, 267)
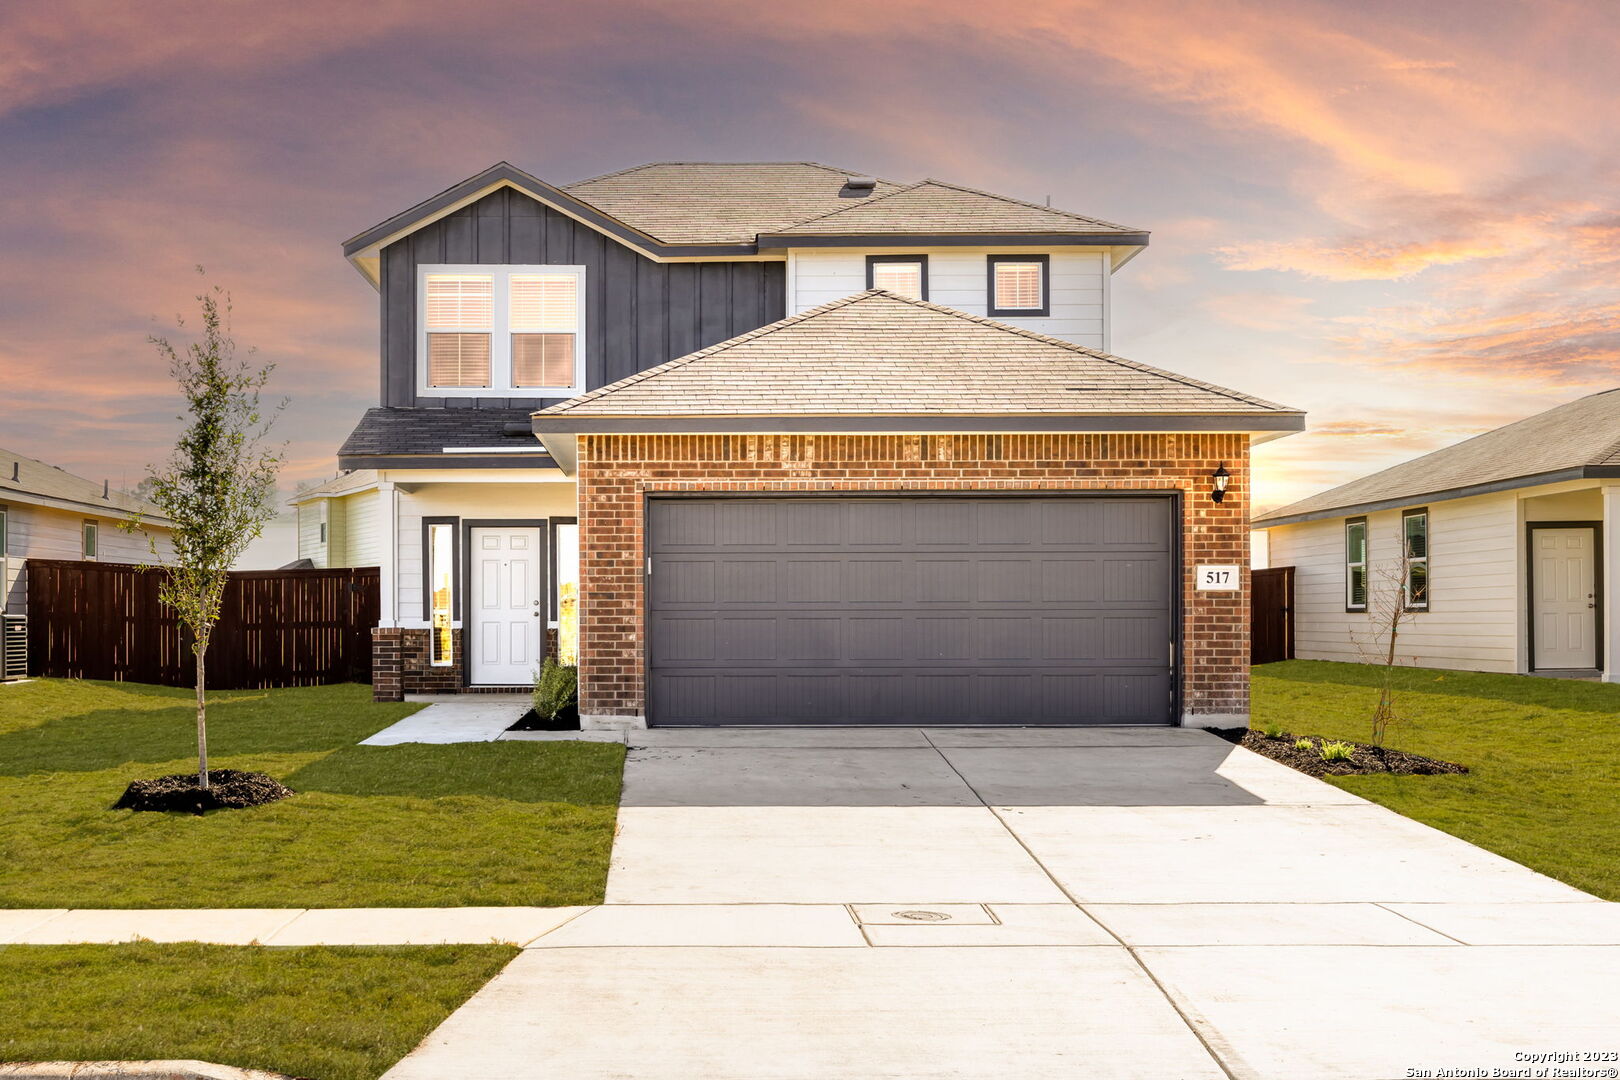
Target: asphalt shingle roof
point(429, 431)
point(51, 482)
point(1584, 433)
point(933, 206)
point(876, 353)
point(698, 202)
point(718, 202)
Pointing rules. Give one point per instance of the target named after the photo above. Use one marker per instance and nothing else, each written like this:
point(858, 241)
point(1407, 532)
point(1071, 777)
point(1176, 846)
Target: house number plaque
point(1219, 578)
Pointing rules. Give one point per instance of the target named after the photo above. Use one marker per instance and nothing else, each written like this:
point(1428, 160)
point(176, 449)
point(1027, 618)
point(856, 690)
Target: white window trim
point(500, 337)
point(88, 529)
point(1410, 561)
point(1349, 565)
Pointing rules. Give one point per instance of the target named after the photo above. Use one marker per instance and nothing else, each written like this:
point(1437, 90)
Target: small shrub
point(554, 688)
point(1336, 751)
point(1273, 730)
point(1303, 744)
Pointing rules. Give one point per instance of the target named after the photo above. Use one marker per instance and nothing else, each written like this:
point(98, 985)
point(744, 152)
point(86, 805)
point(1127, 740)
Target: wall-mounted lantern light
point(1220, 476)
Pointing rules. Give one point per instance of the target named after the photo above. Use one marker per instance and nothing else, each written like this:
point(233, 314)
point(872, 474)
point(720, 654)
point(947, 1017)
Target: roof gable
point(877, 353)
point(1578, 439)
point(718, 210)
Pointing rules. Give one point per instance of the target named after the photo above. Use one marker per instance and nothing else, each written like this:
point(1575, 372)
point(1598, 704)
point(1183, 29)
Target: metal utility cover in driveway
point(911, 610)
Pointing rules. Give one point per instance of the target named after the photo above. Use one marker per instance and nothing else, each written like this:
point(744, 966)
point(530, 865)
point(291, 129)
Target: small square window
point(1018, 286)
point(904, 275)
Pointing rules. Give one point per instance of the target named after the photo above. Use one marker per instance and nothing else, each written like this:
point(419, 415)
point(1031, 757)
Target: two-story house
point(782, 443)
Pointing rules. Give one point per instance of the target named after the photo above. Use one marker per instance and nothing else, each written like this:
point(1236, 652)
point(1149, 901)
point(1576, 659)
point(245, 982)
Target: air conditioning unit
point(13, 647)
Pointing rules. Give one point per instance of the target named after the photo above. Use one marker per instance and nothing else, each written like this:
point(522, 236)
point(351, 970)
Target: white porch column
point(388, 572)
point(1609, 559)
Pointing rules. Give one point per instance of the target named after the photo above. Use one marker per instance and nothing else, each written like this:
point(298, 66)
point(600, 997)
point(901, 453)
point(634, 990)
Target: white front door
point(1565, 598)
point(507, 617)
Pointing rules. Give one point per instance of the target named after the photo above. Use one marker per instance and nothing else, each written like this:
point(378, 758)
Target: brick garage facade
point(617, 472)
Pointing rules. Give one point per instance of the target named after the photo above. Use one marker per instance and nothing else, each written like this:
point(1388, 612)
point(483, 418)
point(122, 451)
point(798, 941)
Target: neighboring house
point(779, 443)
point(338, 522)
point(275, 547)
point(49, 513)
point(1508, 544)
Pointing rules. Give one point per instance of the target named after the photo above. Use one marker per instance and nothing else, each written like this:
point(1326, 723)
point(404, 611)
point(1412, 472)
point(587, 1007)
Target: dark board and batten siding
point(639, 313)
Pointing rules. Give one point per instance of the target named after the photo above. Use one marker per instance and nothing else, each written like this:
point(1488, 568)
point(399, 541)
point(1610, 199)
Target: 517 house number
point(1218, 578)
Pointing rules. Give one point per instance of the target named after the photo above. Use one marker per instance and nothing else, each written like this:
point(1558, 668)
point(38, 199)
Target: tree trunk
point(202, 720)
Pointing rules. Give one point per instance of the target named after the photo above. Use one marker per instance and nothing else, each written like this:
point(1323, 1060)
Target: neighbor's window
point(1415, 530)
point(90, 538)
point(1018, 285)
point(906, 275)
point(441, 560)
point(501, 328)
point(1355, 565)
point(3, 538)
point(565, 548)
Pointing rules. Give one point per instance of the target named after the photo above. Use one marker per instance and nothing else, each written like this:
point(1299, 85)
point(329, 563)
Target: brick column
point(387, 664)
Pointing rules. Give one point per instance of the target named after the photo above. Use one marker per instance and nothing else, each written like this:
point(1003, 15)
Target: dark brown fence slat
point(1271, 611)
point(277, 627)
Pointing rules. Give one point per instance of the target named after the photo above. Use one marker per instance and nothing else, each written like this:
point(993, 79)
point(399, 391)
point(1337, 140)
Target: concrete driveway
point(1030, 903)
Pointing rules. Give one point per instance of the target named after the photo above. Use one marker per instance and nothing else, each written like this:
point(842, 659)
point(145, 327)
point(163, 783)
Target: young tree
point(1387, 610)
point(218, 486)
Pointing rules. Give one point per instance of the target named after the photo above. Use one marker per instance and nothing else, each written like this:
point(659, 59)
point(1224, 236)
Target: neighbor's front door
point(1565, 614)
point(506, 621)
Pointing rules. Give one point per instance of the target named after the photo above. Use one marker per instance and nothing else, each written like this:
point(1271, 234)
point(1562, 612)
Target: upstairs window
point(1018, 286)
point(1415, 576)
point(1355, 565)
point(501, 329)
point(460, 320)
point(906, 275)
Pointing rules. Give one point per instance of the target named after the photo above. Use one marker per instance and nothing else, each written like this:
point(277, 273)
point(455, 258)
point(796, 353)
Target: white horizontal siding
point(1473, 621)
point(310, 546)
point(39, 532)
point(480, 501)
point(362, 527)
point(957, 277)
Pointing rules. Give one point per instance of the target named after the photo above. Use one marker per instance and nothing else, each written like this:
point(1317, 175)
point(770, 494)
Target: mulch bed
point(228, 789)
point(1364, 759)
point(567, 720)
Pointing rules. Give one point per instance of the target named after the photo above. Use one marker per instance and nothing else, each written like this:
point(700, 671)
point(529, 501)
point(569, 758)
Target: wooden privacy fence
point(1271, 615)
point(277, 627)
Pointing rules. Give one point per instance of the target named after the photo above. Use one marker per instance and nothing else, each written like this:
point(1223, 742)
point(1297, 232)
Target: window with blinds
point(460, 314)
point(1018, 285)
point(545, 321)
point(501, 329)
point(906, 275)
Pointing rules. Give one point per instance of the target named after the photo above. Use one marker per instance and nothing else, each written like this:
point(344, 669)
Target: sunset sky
point(1403, 218)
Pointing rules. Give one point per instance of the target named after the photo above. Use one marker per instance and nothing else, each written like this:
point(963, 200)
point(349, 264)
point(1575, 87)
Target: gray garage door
point(914, 610)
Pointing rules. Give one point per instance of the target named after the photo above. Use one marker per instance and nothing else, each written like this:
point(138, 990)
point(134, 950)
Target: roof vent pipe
point(860, 183)
point(106, 489)
point(16, 471)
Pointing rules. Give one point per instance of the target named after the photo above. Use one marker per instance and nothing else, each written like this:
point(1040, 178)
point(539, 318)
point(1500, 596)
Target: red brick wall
point(616, 471)
point(403, 664)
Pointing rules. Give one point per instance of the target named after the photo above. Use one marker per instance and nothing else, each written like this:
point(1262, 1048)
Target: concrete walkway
point(1020, 904)
point(457, 718)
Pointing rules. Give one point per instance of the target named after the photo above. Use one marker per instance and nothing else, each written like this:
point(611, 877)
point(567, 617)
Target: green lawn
point(1545, 755)
point(329, 1013)
point(395, 826)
